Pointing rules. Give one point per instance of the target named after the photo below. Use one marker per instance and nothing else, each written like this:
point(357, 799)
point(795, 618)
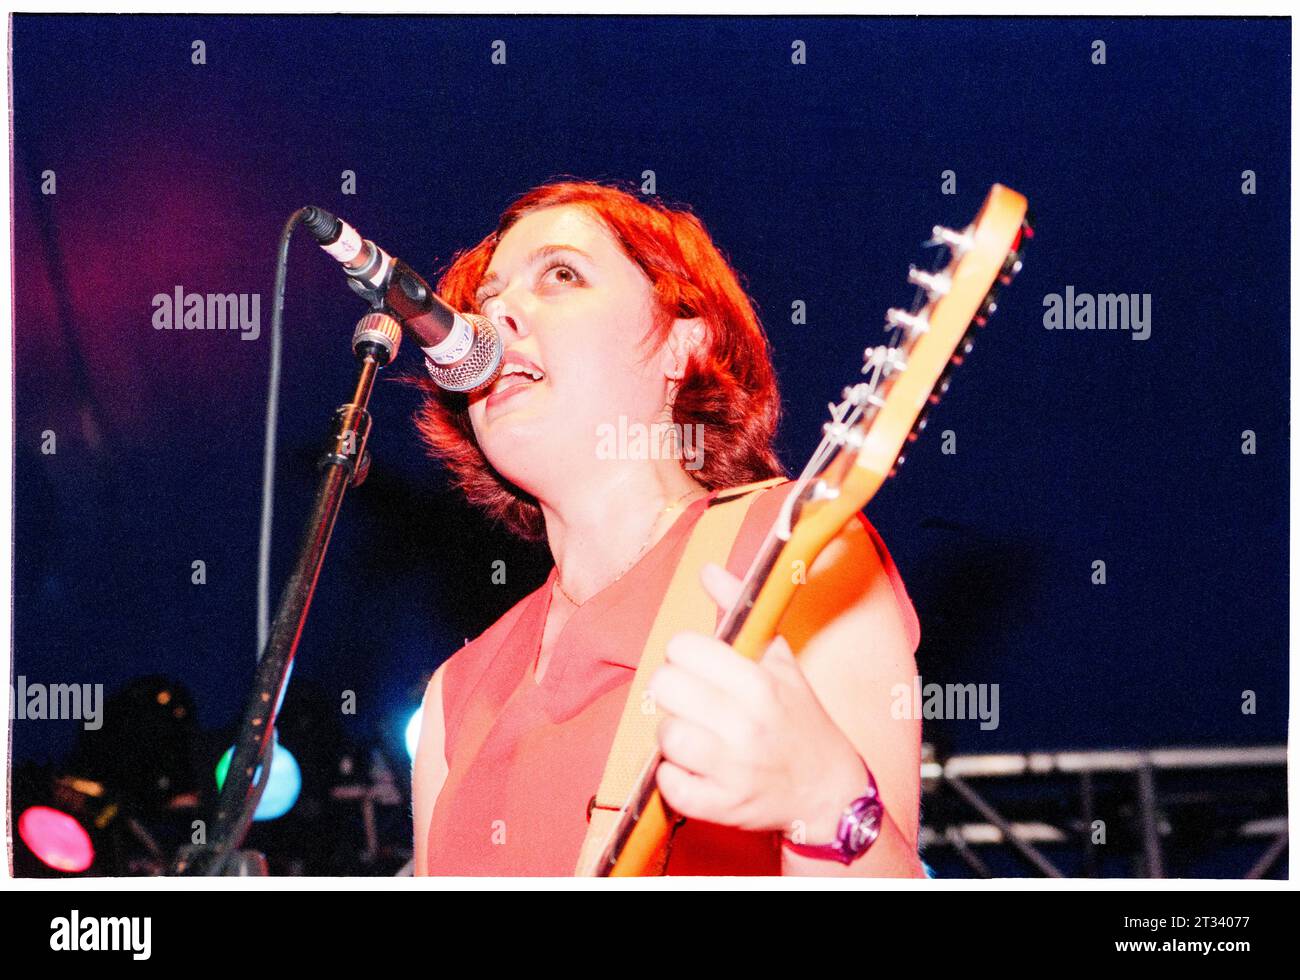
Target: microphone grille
point(479, 367)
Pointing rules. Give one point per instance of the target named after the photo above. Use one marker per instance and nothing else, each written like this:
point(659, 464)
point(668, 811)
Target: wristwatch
point(858, 829)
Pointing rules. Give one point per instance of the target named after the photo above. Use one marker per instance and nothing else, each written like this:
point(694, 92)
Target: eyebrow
point(544, 252)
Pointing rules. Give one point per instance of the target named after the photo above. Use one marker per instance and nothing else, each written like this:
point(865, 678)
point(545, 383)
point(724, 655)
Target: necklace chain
point(635, 558)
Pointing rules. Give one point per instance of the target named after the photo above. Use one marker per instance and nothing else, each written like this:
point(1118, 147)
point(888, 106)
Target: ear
point(685, 336)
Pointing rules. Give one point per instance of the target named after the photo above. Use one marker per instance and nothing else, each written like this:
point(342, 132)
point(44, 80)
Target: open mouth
point(515, 377)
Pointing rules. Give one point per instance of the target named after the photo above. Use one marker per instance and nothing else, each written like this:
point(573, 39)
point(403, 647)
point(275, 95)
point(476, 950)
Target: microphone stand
point(344, 464)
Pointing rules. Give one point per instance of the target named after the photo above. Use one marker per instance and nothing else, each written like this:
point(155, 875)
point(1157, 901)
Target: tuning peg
point(958, 241)
point(965, 349)
point(888, 359)
point(1010, 268)
point(935, 284)
point(858, 394)
point(921, 421)
point(844, 435)
point(915, 324)
point(940, 390)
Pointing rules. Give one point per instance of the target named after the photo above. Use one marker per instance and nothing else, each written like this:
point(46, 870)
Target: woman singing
point(617, 312)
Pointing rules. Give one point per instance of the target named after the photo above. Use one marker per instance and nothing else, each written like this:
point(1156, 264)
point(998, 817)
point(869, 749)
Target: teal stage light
point(413, 732)
point(281, 790)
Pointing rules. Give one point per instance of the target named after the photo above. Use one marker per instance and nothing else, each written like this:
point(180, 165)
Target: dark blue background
point(819, 181)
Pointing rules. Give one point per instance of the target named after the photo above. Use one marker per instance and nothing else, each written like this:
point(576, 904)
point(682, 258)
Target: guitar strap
point(686, 606)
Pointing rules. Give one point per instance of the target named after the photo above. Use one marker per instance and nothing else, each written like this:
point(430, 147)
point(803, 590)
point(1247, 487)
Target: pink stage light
point(56, 838)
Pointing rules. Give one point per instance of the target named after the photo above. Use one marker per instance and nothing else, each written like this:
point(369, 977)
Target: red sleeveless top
point(525, 758)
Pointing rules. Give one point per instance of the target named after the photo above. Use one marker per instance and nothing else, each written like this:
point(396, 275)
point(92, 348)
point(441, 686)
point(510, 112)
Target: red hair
point(729, 385)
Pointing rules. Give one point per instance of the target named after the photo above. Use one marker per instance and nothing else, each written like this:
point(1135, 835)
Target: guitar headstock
point(871, 427)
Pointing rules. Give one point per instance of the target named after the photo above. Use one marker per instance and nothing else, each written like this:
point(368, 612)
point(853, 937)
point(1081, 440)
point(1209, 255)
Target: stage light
point(413, 731)
point(143, 755)
point(282, 789)
point(56, 838)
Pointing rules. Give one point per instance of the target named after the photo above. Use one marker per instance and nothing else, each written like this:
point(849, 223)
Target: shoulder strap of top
point(686, 606)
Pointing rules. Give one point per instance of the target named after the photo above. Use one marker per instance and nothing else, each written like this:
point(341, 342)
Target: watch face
point(859, 836)
point(865, 828)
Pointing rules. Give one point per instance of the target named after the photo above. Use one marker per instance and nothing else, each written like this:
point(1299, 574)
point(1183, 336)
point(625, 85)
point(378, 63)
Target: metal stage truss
point(1150, 813)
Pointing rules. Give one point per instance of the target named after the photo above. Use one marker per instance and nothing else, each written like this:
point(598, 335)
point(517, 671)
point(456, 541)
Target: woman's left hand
point(748, 744)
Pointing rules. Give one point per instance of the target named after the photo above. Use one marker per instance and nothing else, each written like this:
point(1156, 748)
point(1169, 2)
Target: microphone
point(462, 351)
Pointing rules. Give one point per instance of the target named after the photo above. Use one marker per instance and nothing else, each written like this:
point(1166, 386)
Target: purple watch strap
point(858, 828)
